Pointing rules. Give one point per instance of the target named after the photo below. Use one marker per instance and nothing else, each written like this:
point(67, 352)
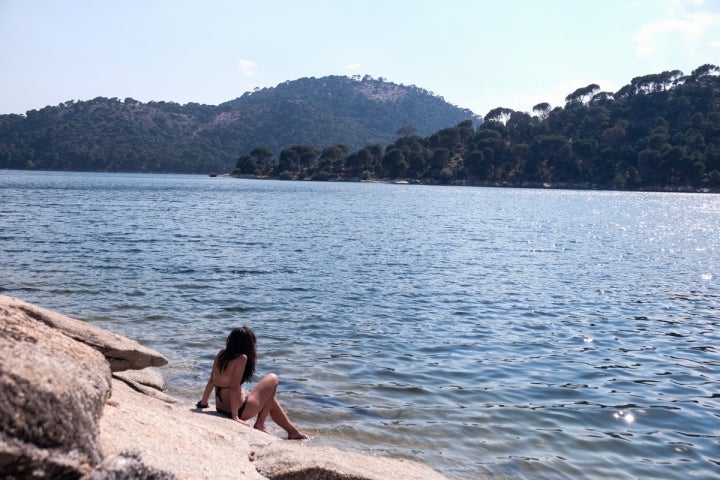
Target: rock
point(121, 352)
point(202, 444)
point(127, 465)
point(150, 377)
point(146, 382)
point(52, 392)
point(190, 443)
point(294, 460)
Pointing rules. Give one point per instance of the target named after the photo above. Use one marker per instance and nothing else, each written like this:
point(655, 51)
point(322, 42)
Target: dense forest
point(109, 134)
point(660, 132)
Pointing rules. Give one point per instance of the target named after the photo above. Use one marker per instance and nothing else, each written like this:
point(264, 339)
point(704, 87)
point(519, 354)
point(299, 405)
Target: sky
point(476, 54)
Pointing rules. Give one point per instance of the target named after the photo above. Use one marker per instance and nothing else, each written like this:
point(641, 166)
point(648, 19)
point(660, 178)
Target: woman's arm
point(235, 386)
point(203, 403)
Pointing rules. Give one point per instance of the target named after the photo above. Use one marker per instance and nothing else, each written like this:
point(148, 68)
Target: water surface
point(485, 332)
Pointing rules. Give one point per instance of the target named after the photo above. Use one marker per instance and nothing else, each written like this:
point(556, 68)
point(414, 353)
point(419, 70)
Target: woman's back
point(223, 379)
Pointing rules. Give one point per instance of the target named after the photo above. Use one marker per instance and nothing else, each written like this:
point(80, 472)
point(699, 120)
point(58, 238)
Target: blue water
point(484, 332)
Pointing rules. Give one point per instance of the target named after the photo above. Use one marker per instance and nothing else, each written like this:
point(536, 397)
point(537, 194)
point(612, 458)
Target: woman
point(233, 366)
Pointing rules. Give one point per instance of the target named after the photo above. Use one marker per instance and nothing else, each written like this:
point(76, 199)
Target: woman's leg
point(262, 401)
point(266, 390)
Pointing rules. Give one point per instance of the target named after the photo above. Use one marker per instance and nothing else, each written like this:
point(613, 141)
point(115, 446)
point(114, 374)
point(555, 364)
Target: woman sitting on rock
point(233, 366)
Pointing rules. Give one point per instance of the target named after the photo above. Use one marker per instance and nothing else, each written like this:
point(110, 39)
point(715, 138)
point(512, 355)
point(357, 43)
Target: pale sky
point(477, 54)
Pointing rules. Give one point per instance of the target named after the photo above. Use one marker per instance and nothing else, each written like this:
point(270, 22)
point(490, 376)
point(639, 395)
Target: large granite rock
point(194, 444)
point(52, 393)
point(54, 388)
point(121, 352)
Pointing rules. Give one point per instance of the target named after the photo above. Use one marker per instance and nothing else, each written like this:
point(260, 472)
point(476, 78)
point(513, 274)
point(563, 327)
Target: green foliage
point(246, 165)
point(127, 135)
point(661, 131)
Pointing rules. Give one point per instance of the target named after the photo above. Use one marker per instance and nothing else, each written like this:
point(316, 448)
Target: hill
point(659, 132)
point(109, 134)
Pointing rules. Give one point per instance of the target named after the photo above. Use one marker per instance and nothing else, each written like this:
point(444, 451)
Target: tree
point(551, 151)
point(359, 161)
point(246, 165)
point(656, 82)
point(601, 98)
point(660, 131)
point(499, 114)
point(583, 94)
point(476, 163)
point(705, 70)
point(394, 163)
point(406, 130)
point(542, 110)
point(334, 153)
point(262, 155)
point(585, 149)
point(289, 161)
point(417, 163)
point(440, 158)
point(301, 156)
point(519, 126)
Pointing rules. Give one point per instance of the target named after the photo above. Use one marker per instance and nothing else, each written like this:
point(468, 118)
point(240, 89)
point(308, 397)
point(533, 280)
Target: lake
point(483, 331)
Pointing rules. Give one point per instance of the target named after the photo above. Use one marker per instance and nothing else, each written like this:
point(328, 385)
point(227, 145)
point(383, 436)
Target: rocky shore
point(80, 402)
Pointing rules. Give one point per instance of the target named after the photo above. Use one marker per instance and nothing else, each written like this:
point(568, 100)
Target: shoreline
point(405, 181)
point(522, 185)
point(117, 422)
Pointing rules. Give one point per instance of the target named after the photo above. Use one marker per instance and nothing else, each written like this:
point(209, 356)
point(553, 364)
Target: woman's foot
point(297, 435)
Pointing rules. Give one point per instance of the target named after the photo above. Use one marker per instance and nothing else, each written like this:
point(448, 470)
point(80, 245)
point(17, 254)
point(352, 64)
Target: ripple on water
point(488, 332)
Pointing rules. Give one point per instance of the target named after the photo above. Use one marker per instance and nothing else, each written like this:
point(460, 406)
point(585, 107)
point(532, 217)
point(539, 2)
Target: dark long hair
point(241, 341)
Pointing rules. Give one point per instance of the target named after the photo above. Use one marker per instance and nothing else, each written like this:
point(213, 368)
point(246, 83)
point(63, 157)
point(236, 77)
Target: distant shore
point(526, 185)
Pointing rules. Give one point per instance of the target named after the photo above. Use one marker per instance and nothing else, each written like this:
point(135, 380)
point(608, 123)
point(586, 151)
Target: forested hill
point(659, 132)
point(109, 134)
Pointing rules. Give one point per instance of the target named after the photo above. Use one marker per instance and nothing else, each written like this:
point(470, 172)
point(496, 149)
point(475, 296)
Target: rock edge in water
point(69, 410)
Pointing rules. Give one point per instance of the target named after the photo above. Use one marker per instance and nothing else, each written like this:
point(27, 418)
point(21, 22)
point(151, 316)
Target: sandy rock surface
point(202, 444)
point(188, 442)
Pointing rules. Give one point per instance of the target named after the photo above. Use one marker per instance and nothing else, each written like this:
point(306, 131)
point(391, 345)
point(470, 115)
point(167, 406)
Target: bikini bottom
point(242, 407)
point(240, 410)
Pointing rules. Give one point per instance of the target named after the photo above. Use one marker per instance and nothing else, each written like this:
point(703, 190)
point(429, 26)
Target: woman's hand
point(202, 404)
point(241, 421)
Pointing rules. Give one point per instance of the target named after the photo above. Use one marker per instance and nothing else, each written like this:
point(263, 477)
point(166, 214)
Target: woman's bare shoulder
point(240, 358)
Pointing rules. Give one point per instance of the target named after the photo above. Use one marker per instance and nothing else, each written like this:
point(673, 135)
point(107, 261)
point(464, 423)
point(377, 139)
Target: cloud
point(690, 29)
point(247, 67)
point(353, 67)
